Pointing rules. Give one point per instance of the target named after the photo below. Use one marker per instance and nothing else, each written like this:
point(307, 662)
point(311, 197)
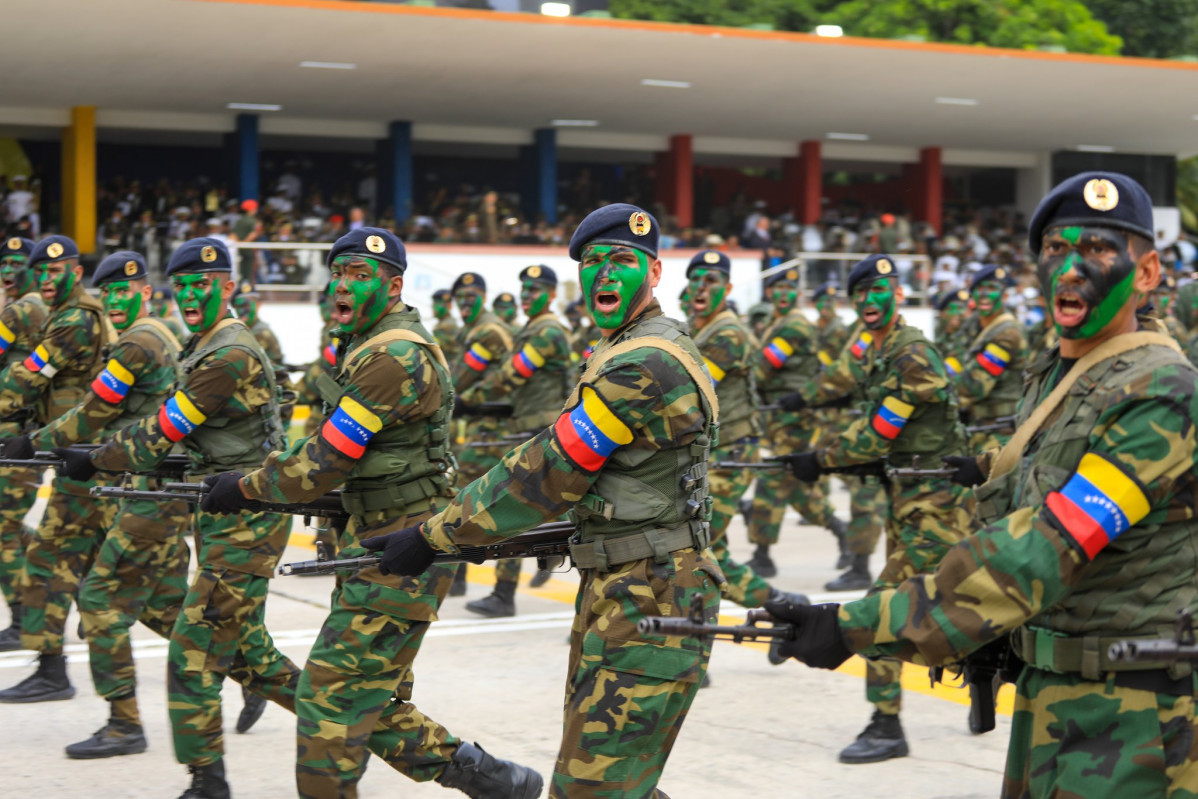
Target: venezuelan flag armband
point(350, 428)
point(179, 417)
point(589, 432)
point(113, 383)
point(1100, 502)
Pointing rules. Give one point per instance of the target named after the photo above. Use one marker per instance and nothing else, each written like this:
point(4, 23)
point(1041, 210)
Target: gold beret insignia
point(639, 223)
point(376, 244)
point(130, 268)
point(711, 257)
point(208, 254)
point(1100, 194)
point(54, 250)
point(884, 267)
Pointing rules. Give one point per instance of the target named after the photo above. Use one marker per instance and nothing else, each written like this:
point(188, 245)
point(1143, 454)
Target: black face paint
point(1087, 274)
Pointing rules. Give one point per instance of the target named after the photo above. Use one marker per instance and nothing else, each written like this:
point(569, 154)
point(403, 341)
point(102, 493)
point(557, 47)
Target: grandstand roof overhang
point(495, 77)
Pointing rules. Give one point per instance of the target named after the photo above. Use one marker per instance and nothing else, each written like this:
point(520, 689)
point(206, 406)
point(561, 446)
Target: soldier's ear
point(655, 272)
point(227, 287)
point(147, 293)
point(395, 286)
point(1148, 272)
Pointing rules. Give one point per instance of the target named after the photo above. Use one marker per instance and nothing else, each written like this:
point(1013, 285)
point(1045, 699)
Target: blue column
point(245, 155)
point(399, 179)
point(545, 164)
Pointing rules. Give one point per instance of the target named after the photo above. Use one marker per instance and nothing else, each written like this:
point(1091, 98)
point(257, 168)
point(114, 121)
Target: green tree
point(797, 15)
point(1187, 192)
point(1151, 28)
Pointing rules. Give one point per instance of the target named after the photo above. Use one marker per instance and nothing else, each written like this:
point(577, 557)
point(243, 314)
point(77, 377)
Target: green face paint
point(615, 281)
point(14, 272)
point(706, 289)
point(121, 299)
point(1088, 275)
point(506, 312)
point(470, 304)
point(363, 280)
point(57, 275)
point(534, 298)
point(877, 301)
point(199, 294)
point(987, 297)
point(784, 295)
point(826, 306)
point(440, 309)
point(247, 309)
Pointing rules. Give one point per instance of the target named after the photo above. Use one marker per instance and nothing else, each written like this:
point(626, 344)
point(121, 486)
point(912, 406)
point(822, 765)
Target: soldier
point(1088, 533)
point(585, 335)
point(786, 363)
point(1162, 302)
point(20, 326)
point(51, 381)
point(728, 350)
point(140, 571)
point(387, 444)
point(163, 306)
point(991, 379)
point(1035, 322)
point(628, 456)
point(505, 308)
point(446, 329)
point(225, 412)
point(759, 317)
point(537, 380)
point(898, 378)
point(952, 308)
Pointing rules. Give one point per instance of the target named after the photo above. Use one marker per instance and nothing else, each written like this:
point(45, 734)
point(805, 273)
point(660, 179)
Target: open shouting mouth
point(1069, 310)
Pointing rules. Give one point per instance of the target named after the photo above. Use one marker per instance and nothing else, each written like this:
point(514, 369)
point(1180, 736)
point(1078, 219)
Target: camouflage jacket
point(728, 350)
point(991, 378)
point(483, 345)
point(267, 340)
point(831, 339)
point(537, 375)
point(788, 359)
point(446, 332)
point(21, 323)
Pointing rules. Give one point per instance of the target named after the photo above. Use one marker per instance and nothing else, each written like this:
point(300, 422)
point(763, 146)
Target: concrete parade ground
point(758, 731)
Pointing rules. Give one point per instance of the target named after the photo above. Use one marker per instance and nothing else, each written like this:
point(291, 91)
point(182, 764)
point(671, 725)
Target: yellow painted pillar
point(79, 178)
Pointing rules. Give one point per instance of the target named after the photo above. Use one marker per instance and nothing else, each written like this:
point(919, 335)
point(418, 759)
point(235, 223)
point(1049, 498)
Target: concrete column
point(545, 168)
point(398, 163)
point(245, 157)
point(930, 176)
point(681, 191)
point(79, 178)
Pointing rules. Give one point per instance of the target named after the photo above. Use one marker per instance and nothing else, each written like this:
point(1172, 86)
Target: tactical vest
point(146, 396)
point(223, 443)
point(537, 401)
point(1136, 585)
point(1004, 398)
point(407, 461)
point(485, 323)
point(648, 503)
point(800, 369)
point(26, 339)
point(738, 388)
point(73, 380)
point(933, 429)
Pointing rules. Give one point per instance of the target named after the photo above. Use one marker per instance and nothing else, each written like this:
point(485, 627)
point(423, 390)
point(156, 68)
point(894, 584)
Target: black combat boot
point(881, 740)
point(207, 782)
point(481, 776)
point(47, 684)
point(775, 653)
point(458, 586)
point(501, 603)
point(839, 529)
point(762, 563)
point(10, 638)
point(251, 711)
point(855, 579)
point(117, 737)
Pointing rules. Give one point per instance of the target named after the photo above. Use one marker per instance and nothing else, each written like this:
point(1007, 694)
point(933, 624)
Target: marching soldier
point(386, 444)
point(1088, 532)
point(162, 303)
point(505, 308)
point(585, 335)
point(446, 329)
point(628, 456)
point(952, 308)
point(1162, 302)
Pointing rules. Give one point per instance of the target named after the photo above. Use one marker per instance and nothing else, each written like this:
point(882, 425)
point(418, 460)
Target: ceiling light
point(254, 107)
point(849, 136)
point(666, 84)
point(576, 123)
point(555, 9)
point(957, 101)
point(1094, 148)
point(830, 31)
point(328, 65)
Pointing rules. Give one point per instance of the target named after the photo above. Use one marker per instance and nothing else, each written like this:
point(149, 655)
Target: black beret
point(992, 272)
point(955, 295)
point(789, 276)
point(504, 299)
point(121, 265)
point(17, 246)
point(710, 259)
point(443, 294)
point(870, 268)
point(53, 248)
point(245, 289)
point(199, 255)
point(824, 290)
point(539, 273)
point(372, 242)
point(164, 292)
point(1104, 199)
point(618, 223)
point(471, 280)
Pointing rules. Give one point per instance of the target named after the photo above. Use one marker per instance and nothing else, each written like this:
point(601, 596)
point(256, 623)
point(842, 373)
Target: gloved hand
point(76, 464)
point(803, 465)
point(792, 402)
point(968, 474)
point(818, 641)
point(404, 551)
point(463, 410)
point(222, 494)
point(18, 448)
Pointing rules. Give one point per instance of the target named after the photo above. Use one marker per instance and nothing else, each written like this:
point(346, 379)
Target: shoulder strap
point(977, 340)
point(697, 373)
point(724, 319)
point(1010, 454)
point(398, 334)
point(501, 331)
point(162, 331)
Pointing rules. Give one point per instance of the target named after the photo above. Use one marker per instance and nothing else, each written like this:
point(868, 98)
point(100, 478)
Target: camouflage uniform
point(485, 343)
point(991, 379)
point(226, 414)
point(308, 393)
point(387, 441)
point(446, 332)
point(637, 427)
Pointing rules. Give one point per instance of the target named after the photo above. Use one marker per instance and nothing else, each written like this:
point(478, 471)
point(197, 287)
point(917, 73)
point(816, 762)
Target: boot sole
point(531, 789)
point(99, 756)
point(66, 693)
point(902, 751)
point(490, 614)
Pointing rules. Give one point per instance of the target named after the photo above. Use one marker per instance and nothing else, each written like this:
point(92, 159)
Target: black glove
point(76, 464)
point(818, 641)
point(464, 410)
point(968, 474)
point(803, 465)
point(404, 551)
point(222, 494)
point(18, 448)
point(792, 403)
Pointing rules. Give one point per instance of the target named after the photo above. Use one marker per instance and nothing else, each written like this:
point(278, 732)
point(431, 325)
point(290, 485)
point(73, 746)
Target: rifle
point(916, 473)
point(839, 402)
point(1000, 423)
point(868, 469)
point(495, 410)
point(543, 543)
point(983, 670)
point(503, 441)
point(171, 466)
point(328, 506)
point(1180, 647)
point(694, 625)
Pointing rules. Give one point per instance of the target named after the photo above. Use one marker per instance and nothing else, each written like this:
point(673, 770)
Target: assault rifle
point(171, 466)
point(694, 625)
point(870, 469)
point(983, 671)
point(1180, 647)
point(513, 440)
point(543, 543)
point(328, 506)
point(494, 410)
point(999, 424)
point(839, 402)
point(915, 473)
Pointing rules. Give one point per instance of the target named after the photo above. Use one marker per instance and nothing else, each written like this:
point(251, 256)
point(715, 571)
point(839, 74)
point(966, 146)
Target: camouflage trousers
point(221, 632)
point(56, 560)
point(778, 488)
point(744, 586)
point(18, 492)
point(355, 691)
point(627, 697)
point(928, 519)
point(1072, 737)
point(473, 463)
point(140, 574)
point(869, 505)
